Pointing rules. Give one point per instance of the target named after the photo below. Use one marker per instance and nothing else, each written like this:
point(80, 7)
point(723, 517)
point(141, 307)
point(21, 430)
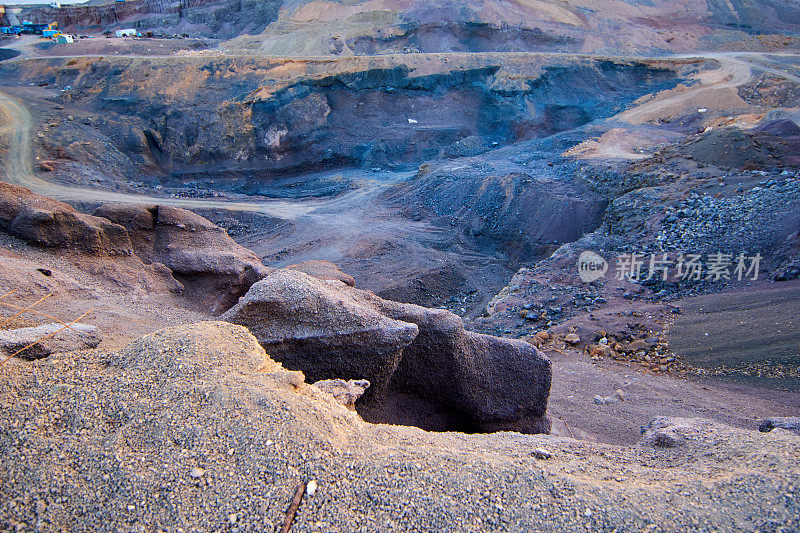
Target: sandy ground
point(107, 442)
point(121, 297)
point(577, 380)
point(763, 322)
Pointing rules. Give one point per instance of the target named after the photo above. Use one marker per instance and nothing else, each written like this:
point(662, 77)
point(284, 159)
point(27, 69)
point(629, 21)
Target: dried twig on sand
point(9, 293)
point(298, 496)
point(23, 310)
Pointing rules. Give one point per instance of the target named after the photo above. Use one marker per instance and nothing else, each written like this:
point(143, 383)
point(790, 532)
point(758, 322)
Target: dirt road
point(16, 126)
point(715, 89)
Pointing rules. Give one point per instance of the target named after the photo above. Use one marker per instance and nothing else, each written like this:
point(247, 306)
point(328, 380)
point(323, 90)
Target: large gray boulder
point(328, 329)
point(497, 383)
point(321, 328)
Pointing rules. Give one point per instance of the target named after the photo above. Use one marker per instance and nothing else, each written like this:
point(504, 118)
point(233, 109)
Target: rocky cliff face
point(385, 26)
point(196, 119)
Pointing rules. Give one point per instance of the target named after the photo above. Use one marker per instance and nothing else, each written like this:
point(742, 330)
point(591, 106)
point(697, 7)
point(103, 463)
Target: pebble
point(603, 400)
point(197, 472)
point(542, 453)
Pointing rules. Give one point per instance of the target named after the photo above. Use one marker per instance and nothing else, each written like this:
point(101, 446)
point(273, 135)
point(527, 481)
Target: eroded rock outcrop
point(49, 223)
point(328, 329)
point(321, 328)
point(213, 269)
point(200, 254)
point(40, 341)
point(496, 383)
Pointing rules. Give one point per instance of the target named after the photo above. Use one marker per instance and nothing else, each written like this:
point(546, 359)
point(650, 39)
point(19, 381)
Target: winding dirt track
point(735, 69)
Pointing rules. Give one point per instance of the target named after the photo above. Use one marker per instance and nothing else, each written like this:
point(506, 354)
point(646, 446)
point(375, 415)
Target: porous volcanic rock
point(49, 223)
point(202, 255)
point(40, 341)
point(318, 326)
point(329, 329)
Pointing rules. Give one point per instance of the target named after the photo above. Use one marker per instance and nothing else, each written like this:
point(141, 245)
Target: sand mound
point(195, 427)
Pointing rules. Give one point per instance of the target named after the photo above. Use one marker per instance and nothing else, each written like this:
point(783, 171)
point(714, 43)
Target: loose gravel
point(194, 429)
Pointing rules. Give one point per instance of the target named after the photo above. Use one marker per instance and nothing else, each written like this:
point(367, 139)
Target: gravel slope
point(193, 429)
point(751, 336)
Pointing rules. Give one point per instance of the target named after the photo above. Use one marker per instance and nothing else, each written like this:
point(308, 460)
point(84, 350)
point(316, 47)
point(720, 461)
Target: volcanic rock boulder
point(40, 341)
point(212, 266)
point(321, 328)
point(492, 382)
point(329, 330)
point(49, 223)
